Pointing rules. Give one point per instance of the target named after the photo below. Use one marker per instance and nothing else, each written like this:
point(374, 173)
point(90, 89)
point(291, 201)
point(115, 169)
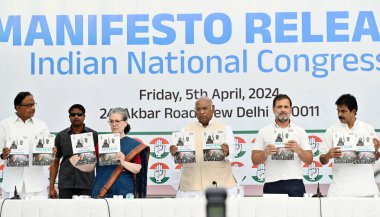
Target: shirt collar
point(18, 119)
point(289, 125)
point(69, 130)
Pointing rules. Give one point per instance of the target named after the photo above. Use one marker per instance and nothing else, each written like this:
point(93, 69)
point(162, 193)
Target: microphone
point(16, 196)
point(318, 194)
point(215, 183)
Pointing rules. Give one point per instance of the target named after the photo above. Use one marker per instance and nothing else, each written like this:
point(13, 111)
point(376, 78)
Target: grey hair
point(121, 111)
point(204, 98)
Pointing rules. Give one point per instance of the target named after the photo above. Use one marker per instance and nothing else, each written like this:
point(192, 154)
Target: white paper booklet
point(185, 143)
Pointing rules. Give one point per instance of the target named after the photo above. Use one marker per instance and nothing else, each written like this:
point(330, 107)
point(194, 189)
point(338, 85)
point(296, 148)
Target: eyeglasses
point(114, 121)
point(29, 105)
point(76, 114)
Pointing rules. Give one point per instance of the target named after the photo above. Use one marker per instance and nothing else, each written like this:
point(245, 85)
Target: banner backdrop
point(155, 58)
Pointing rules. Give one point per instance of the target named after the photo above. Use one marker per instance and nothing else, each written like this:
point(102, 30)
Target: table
point(193, 207)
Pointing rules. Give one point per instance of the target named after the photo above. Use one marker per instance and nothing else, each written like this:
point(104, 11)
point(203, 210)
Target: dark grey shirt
point(69, 176)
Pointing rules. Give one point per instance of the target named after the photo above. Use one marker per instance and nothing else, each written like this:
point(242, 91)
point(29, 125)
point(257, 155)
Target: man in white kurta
point(196, 177)
point(30, 181)
point(349, 180)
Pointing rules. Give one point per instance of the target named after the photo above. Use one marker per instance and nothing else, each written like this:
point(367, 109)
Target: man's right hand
point(269, 150)
point(53, 193)
point(6, 152)
point(173, 149)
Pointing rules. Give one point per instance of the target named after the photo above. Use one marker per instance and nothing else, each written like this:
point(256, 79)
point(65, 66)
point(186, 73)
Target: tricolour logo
point(259, 170)
point(158, 173)
point(159, 148)
point(312, 171)
point(238, 147)
point(315, 142)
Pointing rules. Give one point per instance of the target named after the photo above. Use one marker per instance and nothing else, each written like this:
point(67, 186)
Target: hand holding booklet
point(212, 146)
point(281, 137)
point(109, 146)
point(185, 143)
point(83, 145)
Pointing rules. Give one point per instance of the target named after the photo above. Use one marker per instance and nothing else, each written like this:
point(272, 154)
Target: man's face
point(27, 108)
point(77, 117)
point(282, 110)
point(204, 111)
point(345, 115)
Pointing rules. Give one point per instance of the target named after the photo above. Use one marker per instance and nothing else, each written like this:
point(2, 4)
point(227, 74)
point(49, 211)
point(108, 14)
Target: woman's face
point(117, 124)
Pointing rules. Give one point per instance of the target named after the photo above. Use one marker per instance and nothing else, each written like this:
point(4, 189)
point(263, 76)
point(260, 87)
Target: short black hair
point(77, 106)
point(281, 97)
point(20, 97)
point(347, 100)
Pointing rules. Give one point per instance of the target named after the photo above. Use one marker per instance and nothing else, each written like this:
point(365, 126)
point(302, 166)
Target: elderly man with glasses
point(30, 181)
point(71, 180)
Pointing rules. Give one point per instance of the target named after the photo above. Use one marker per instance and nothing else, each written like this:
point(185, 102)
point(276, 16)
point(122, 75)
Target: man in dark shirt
point(71, 181)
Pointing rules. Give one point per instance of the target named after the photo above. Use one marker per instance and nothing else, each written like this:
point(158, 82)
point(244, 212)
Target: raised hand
point(159, 148)
point(313, 171)
point(237, 147)
point(314, 145)
point(260, 172)
point(159, 173)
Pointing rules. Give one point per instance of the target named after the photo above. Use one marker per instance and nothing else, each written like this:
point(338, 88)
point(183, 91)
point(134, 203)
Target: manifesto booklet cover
point(83, 145)
point(365, 149)
point(42, 149)
point(346, 143)
point(109, 146)
point(185, 143)
point(19, 155)
point(212, 146)
point(281, 137)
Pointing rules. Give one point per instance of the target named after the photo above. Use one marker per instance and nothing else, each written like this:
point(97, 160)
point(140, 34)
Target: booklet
point(281, 137)
point(109, 146)
point(365, 149)
point(212, 146)
point(42, 149)
point(346, 143)
point(19, 155)
point(185, 143)
point(83, 145)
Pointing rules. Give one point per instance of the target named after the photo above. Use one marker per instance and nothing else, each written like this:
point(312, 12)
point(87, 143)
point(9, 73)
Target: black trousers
point(68, 193)
point(292, 187)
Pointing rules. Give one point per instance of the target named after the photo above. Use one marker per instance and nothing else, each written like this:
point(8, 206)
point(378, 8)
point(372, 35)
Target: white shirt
point(276, 170)
point(350, 179)
point(32, 177)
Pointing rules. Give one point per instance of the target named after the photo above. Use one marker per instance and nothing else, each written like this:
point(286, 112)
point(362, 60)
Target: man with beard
point(72, 181)
point(282, 176)
point(30, 181)
point(349, 180)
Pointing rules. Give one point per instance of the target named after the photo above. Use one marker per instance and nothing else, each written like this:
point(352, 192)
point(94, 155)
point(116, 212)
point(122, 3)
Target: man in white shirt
point(196, 177)
point(283, 174)
point(349, 180)
point(30, 181)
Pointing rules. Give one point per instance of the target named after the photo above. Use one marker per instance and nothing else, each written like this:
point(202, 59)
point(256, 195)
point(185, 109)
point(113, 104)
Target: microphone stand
point(15, 196)
point(318, 194)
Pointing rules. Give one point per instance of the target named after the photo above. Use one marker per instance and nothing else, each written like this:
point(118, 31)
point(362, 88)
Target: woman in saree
point(130, 176)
